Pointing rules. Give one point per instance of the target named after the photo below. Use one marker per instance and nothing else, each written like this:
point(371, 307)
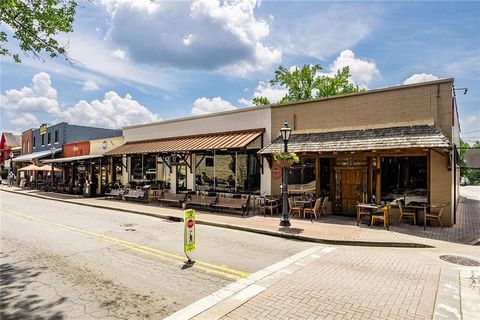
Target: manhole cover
point(461, 261)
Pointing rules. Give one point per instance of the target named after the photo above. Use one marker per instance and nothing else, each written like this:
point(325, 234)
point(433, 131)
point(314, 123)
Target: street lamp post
point(52, 150)
point(285, 131)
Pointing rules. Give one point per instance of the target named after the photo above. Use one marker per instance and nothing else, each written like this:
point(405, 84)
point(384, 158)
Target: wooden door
point(351, 189)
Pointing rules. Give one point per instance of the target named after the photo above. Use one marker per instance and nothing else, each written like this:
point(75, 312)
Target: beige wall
point(441, 184)
point(242, 119)
point(406, 105)
point(112, 143)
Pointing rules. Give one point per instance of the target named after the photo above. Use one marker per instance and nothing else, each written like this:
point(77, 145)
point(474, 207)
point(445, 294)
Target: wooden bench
point(201, 201)
point(134, 194)
point(172, 198)
point(232, 204)
point(114, 193)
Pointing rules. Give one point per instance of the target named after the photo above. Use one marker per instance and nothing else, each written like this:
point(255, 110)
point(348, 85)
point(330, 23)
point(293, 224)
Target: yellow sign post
point(189, 232)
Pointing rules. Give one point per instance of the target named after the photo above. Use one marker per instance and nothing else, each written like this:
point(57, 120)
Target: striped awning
point(184, 144)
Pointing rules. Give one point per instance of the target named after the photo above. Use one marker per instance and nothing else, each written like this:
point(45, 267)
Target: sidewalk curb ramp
point(243, 228)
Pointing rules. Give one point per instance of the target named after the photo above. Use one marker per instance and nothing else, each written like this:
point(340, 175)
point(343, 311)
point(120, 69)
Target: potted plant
point(285, 159)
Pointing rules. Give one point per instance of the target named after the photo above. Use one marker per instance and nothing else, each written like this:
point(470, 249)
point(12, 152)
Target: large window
point(204, 173)
point(403, 176)
point(228, 172)
point(34, 142)
point(302, 177)
point(143, 167)
point(324, 177)
point(43, 140)
point(49, 138)
point(57, 138)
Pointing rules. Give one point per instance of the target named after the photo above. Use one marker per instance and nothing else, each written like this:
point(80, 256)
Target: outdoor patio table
point(371, 208)
point(416, 208)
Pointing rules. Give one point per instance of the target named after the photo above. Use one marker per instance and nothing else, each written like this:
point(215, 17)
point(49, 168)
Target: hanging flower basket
point(285, 159)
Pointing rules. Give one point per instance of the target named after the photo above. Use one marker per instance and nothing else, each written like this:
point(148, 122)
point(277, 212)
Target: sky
point(138, 61)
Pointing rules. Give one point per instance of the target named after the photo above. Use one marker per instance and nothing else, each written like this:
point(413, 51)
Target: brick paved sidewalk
point(364, 283)
point(333, 229)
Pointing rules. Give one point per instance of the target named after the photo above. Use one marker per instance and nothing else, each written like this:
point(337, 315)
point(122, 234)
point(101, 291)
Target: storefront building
point(382, 145)
point(10, 147)
point(83, 162)
point(210, 153)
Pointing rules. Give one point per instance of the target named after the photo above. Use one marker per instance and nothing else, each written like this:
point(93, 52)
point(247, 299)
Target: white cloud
point(362, 71)
point(214, 35)
point(29, 106)
point(90, 85)
point(21, 107)
point(263, 89)
point(24, 120)
point(119, 54)
point(206, 105)
point(420, 77)
point(112, 112)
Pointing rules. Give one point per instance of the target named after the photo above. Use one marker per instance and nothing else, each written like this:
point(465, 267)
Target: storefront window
point(225, 172)
point(230, 172)
point(163, 175)
point(324, 177)
point(302, 177)
point(403, 176)
point(143, 167)
point(204, 176)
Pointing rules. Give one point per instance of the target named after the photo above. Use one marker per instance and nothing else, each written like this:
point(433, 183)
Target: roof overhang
point(35, 155)
point(422, 136)
point(186, 144)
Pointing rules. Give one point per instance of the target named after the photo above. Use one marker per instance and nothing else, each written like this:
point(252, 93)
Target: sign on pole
point(189, 231)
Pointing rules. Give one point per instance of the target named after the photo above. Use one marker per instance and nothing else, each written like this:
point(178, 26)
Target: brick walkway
point(351, 284)
point(332, 228)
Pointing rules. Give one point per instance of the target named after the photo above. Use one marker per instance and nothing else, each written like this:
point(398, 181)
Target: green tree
point(472, 174)
point(305, 83)
point(35, 25)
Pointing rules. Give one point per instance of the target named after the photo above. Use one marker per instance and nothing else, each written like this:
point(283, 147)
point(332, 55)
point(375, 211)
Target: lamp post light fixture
point(52, 150)
point(285, 131)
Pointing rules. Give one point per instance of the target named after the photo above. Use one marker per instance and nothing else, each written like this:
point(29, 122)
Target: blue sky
point(141, 61)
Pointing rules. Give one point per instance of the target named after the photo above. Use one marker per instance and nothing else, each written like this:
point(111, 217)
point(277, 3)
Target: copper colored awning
point(204, 142)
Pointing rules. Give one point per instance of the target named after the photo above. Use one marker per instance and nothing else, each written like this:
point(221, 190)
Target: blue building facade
point(46, 137)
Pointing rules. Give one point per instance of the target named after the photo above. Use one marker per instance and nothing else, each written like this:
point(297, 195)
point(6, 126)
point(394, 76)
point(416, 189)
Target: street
point(64, 261)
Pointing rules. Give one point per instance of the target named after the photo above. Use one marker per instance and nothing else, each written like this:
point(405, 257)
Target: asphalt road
point(64, 261)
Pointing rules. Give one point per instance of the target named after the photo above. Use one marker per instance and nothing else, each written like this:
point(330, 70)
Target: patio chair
point(361, 212)
point(406, 213)
point(437, 216)
point(326, 206)
point(294, 208)
point(316, 210)
point(383, 216)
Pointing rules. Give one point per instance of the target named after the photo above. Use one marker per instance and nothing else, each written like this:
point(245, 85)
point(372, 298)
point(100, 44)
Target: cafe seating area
point(418, 213)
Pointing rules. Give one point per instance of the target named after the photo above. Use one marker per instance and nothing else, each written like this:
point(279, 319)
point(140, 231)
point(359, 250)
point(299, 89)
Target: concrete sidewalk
point(329, 230)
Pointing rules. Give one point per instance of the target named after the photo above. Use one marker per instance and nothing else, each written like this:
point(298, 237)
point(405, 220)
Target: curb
point(243, 228)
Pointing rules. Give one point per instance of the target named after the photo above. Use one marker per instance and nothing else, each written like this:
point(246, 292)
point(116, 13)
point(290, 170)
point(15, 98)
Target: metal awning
point(72, 159)
point(35, 155)
point(422, 136)
point(184, 144)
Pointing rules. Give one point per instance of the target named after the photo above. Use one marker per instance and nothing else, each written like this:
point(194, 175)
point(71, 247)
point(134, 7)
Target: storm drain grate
point(461, 260)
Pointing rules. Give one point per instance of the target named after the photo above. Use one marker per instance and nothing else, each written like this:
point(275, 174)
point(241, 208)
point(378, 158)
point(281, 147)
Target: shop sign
point(43, 129)
point(81, 168)
point(189, 231)
point(175, 159)
point(276, 171)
